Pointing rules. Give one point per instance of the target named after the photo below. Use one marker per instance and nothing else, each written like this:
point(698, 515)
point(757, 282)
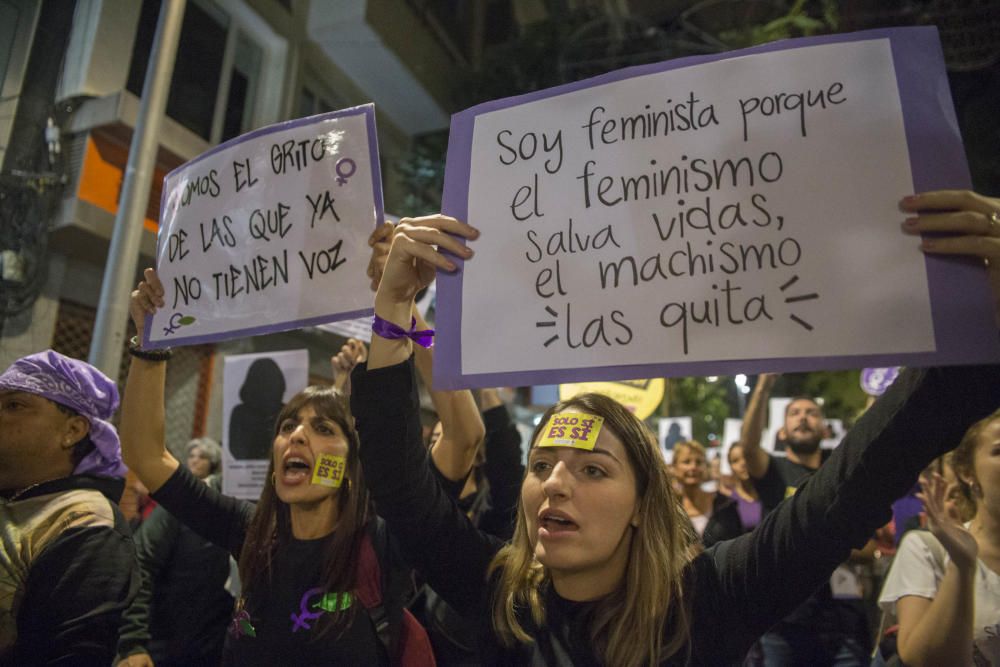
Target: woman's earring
point(274, 481)
point(977, 490)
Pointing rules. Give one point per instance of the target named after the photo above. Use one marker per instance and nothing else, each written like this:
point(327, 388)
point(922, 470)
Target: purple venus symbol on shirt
point(301, 620)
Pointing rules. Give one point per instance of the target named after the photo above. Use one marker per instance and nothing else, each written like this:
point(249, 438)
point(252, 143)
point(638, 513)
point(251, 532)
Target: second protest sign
point(268, 232)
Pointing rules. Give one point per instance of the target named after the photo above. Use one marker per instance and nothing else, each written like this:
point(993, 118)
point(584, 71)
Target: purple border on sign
point(366, 110)
point(963, 321)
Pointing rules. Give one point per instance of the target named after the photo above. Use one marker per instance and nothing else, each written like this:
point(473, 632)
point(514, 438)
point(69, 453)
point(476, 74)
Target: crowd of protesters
point(370, 545)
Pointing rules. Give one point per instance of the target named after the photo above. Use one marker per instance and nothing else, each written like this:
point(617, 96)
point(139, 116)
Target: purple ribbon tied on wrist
point(390, 331)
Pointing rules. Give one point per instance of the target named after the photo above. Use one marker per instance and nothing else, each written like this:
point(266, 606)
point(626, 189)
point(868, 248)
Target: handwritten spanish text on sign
point(261, 233)
point(743, 208)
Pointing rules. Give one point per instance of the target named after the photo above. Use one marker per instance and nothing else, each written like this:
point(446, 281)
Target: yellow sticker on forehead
point(571, 429)
point(329, 470)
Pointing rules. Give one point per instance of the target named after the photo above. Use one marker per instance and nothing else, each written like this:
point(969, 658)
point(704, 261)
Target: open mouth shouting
point(553, 524)
point(295, 470)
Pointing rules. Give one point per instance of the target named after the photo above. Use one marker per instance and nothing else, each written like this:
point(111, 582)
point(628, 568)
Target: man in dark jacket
point(67, 564)
point(179, 617)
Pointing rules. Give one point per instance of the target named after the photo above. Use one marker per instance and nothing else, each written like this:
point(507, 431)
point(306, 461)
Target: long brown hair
point(271, 526)
point(647, 618)
point(962, 461)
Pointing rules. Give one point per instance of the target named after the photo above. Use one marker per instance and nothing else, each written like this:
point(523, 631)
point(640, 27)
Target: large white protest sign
point(255, 387)
point(269, 231)
point(683, 218)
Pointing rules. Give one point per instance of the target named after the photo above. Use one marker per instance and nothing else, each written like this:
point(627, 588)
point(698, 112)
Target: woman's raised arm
point(143, 414)
point(766, 573)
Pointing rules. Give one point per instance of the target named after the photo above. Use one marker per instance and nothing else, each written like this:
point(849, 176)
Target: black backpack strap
point(387, 617)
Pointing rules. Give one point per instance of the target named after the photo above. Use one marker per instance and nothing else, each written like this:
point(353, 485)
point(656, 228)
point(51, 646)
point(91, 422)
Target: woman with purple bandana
point(66, 556)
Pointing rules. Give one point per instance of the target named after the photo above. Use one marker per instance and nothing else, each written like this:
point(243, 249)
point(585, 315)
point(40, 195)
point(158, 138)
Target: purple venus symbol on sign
point(345, 169)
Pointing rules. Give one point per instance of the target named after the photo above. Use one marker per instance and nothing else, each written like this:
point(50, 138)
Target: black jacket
point(744, 584)
point(67, 572)
point(180, 614)
point(724, 524)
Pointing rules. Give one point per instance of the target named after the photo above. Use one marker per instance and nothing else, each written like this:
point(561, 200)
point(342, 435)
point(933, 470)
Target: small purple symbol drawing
point(177, 320)
point(342, 169)
point(301, 621)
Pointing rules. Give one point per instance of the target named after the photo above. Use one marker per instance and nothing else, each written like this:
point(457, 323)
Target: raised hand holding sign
point(261, 233)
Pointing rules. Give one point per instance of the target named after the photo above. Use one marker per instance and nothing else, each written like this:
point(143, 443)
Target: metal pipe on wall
point(112, 309)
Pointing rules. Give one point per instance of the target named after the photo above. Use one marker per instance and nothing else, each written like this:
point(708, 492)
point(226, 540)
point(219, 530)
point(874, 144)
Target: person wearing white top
point(944, 586)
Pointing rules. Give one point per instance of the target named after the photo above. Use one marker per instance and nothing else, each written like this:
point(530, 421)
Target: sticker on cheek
point(571, 429)
point(329, 470)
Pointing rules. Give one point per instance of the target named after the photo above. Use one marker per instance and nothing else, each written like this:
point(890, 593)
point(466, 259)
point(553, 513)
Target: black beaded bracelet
point(148, 355)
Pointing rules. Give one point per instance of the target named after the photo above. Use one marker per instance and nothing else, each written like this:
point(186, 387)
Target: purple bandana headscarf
point(80, 387)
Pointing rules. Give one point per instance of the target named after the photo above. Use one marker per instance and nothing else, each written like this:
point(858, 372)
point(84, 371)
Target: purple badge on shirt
point(874, 381)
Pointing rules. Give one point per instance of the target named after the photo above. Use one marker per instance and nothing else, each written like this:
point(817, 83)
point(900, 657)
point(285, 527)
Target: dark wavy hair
point(271, 527)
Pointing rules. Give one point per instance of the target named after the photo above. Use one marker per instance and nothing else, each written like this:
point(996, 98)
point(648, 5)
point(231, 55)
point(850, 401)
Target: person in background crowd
point(350, 355)
point(601, 569)
point(713, 515)
point(744, 493)
point(831, 627)
point(203, 457)
point(908, 512)
point(318, 570)
point(713, 482)
point(180, 615)
point(944, 585)
point(67, 564)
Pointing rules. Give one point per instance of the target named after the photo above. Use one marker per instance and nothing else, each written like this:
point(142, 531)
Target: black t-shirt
point(282, 612)
point(821, 612)
point(182, 609)
point(503, 471)
point(781, 480)
point(286, 619)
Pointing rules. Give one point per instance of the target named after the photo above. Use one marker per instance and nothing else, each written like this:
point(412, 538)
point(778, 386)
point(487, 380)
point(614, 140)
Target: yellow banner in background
point(640, 396)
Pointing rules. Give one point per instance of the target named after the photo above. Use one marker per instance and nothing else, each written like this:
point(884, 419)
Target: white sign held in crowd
point(671, 431)
point(255, 387)
point(695, 216)
point(269, 231)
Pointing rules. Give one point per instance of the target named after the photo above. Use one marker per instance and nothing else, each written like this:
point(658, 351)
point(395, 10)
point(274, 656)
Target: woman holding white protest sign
point(320, 578)
point(603, 567)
